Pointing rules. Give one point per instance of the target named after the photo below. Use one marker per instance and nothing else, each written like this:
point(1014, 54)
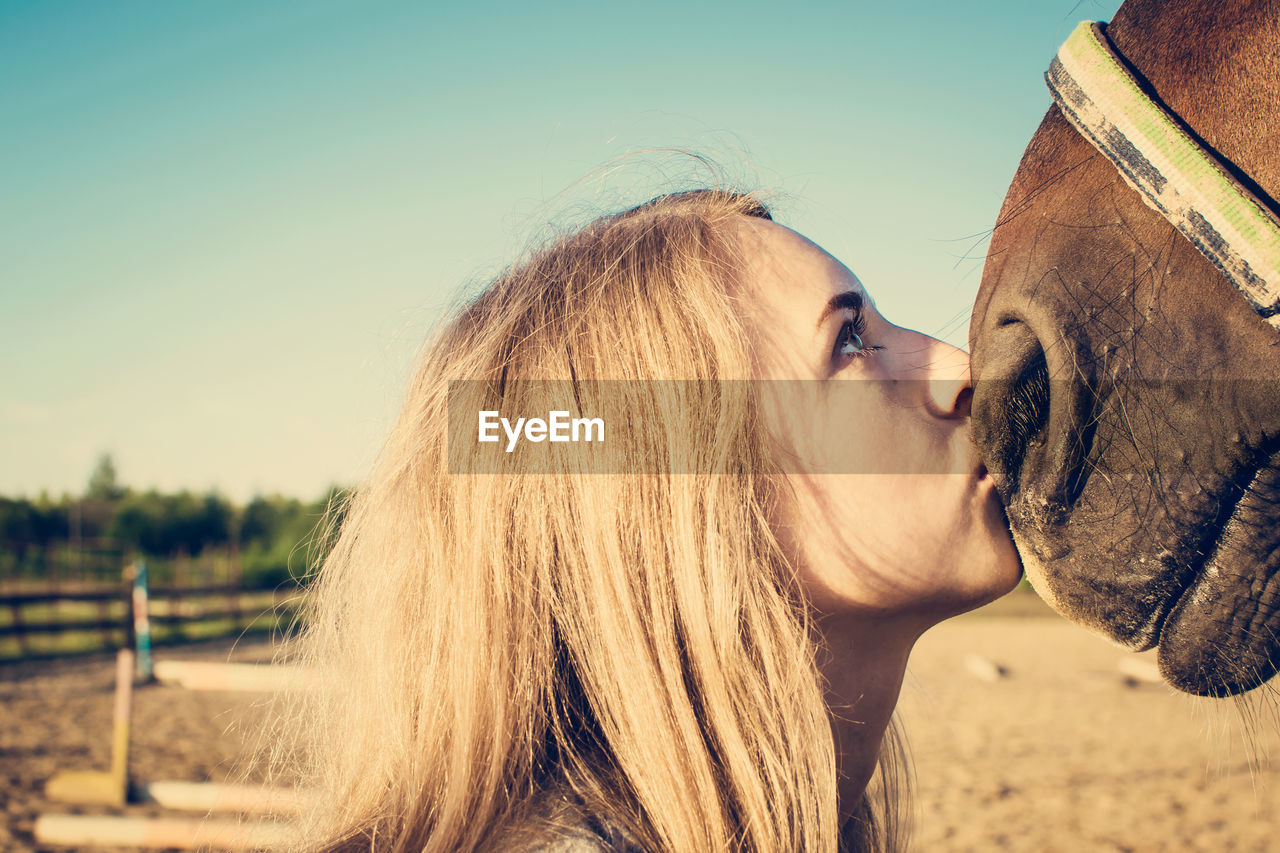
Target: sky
point(227, 228)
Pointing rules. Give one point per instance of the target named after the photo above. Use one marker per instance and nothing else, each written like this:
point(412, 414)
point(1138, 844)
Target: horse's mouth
point(1168, 574)
point(1220, 638)
point(1221, 536)
point(1215, 537)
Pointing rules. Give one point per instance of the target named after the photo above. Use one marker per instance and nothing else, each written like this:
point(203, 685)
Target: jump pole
point(95, 786)
point(222, 797)
point(141, 621)
point(206, 675)
point(160, 833)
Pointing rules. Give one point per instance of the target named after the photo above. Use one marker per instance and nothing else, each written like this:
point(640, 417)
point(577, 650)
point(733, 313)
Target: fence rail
point(58, 621)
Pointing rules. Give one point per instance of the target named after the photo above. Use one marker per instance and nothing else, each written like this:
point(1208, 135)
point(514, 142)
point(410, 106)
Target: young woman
point(658, 655)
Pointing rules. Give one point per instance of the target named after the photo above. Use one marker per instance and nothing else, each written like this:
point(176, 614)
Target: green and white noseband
point(1188, 185)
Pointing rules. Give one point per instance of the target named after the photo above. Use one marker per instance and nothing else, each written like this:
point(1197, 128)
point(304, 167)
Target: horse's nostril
point(1026, 409)
point(1011, 414)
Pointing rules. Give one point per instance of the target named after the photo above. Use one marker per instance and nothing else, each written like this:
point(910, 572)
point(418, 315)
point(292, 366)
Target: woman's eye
point(849, 343)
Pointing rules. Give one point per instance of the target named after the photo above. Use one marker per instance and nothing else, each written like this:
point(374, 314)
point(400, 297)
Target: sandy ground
point(57, 715)
point(1061, 752)
point(1065, 753)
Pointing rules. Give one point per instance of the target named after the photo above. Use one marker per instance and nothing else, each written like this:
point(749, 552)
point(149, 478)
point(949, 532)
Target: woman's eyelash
point(849, 343)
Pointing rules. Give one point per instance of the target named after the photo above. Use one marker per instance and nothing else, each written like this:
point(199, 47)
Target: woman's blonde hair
point(634, 648)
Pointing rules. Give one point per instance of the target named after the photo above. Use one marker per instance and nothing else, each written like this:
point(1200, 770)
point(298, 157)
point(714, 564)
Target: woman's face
point(894, 514)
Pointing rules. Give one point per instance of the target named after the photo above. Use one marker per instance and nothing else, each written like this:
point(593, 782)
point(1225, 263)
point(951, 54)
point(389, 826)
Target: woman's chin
point(1004, 573)
point(1009, 579)
point(986, 581)
point(1005, 564)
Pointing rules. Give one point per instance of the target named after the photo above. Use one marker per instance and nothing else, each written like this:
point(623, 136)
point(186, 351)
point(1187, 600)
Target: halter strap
point(1155, 156)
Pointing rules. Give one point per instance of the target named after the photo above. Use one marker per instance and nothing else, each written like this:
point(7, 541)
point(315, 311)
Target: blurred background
point(228, 227)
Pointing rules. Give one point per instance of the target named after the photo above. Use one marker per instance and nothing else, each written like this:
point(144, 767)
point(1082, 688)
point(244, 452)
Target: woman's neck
point(863, 662)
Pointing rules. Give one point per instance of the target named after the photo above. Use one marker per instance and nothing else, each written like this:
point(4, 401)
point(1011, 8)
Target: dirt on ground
point(1027, 733)
point(57, 715)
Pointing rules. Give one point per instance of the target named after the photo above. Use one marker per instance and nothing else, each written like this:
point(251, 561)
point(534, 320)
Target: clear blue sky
point(227, 226)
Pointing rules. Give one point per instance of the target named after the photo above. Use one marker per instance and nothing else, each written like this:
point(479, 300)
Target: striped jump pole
point(141, 622)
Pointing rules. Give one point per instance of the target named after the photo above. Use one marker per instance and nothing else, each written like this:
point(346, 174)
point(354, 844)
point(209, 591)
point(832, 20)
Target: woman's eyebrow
point(850, 299)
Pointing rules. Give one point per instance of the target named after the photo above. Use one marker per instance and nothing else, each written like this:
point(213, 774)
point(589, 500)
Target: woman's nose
point(950, 389)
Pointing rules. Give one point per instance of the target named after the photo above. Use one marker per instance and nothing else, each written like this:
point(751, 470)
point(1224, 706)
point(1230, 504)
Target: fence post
point(233, 597)
point(19, 632)
point(106, 633)
point(141, 622)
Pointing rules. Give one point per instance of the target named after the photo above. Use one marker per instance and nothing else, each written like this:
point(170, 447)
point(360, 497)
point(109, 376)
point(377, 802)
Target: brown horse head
point(1127, 396)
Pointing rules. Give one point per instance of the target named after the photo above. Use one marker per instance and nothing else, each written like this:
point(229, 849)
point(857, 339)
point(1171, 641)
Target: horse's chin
point(1222, 636)
point(1046, 574)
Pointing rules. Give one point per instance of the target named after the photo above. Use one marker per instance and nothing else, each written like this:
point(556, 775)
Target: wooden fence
point(72, 619)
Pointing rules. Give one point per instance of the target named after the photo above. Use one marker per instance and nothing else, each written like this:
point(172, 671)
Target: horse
point(1126, 392)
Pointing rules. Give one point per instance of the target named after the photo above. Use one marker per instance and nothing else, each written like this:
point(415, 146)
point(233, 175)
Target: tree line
point(275, 537)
